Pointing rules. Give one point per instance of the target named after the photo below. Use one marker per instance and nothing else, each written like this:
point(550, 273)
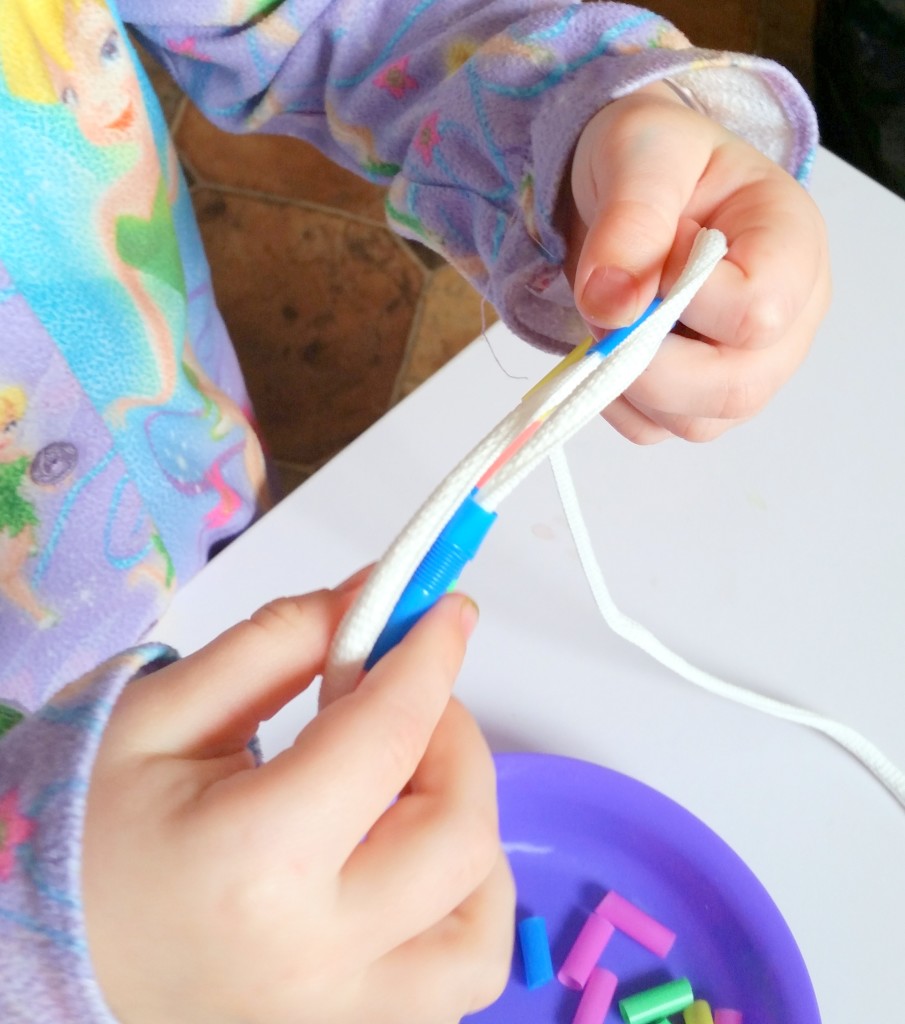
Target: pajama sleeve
point(45, 766)
point(467, 110)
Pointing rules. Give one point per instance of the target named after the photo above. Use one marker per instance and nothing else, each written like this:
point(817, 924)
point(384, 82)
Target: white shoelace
point(629, 629)
point(535, 430)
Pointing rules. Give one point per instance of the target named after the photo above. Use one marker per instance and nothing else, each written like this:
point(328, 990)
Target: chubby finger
point(434, 846)
point(358, 753)
point(460, 965)
point(696, 390)
point(633, 424)
point(776, 265)
point(701, 380)
point(689, 428)
point(213, 701)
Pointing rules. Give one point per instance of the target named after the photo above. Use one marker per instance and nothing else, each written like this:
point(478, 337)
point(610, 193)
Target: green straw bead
point(656, 1003)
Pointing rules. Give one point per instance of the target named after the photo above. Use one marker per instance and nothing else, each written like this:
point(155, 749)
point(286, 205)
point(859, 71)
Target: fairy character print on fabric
point(70, 52)
point(79, 59)
point(83, 564)
point(20, 474)
point(73, 62)
point(129, 452)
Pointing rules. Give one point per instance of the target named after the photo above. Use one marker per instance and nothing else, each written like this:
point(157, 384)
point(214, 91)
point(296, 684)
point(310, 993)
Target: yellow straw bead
point(577, 353)
point(698, 1013)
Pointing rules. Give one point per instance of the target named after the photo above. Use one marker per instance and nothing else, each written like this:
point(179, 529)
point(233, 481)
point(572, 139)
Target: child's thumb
point(622, 259)
point(631, 198)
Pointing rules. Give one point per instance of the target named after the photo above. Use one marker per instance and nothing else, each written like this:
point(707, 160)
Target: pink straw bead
point(596, 998)
point(636, 924)
point(727, 1017)
point(585, 952)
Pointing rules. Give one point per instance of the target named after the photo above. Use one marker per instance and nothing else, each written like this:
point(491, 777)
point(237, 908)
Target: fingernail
point(470, 614)
point(608, 295)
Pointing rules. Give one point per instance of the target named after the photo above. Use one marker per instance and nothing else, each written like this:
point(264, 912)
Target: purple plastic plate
point(574, 830)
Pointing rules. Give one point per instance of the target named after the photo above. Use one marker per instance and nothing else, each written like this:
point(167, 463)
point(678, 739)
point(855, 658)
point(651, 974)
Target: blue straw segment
point(535, 947)
point(615, 338)
point(437, 573)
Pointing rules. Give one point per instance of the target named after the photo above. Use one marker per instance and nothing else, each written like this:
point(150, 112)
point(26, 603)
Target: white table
point(774, 556)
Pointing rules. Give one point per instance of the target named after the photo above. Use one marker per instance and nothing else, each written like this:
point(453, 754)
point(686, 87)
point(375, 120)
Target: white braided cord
point(892, 777)
point(566, 403)
point(580, 401)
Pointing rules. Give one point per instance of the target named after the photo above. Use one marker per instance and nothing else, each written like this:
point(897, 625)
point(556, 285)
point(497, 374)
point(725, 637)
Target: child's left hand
point(647, 174)
point(221, 893)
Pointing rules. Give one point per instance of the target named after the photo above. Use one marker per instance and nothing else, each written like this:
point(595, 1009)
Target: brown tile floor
point(333, 316)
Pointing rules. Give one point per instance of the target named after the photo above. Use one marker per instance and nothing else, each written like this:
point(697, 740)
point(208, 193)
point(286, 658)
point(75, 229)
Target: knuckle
point(484, 842)
point(251, 902)
point(307, 618)
point(743, 396)
point(646, 435)
point(642, 432)
point(631, 424)
point(700, 431)
point(277, 614)
point(764, 320)
point(643, 227)
point(479, 845)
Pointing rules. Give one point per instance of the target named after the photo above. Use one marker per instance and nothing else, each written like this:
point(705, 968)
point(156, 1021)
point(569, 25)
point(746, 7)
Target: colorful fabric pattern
point(45, 970)
point(126, 450)
point(114, 351)
point(15, 512)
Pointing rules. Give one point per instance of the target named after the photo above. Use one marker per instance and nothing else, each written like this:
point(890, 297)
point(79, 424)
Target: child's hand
point(647, 174)
point(219, 893)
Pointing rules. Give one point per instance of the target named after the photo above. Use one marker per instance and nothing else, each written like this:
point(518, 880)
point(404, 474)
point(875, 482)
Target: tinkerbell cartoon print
point(74, 53)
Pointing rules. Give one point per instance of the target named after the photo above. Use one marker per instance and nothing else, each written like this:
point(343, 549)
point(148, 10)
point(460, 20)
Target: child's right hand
point(647, 174)
point(217, 892)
